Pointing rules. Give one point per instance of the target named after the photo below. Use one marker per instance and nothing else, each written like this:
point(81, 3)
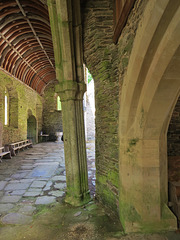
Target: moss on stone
point(125, 62)
point(21, 99)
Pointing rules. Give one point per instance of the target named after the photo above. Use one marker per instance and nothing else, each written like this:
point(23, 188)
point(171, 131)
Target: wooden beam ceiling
point(26, 49)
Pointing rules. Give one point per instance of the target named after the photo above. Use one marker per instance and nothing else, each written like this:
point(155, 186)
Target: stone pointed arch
point(149, 93)
point(31, 127)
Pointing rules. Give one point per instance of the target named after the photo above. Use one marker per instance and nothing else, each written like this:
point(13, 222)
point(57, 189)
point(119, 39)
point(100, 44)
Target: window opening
point(59, 103)
point(6, 108)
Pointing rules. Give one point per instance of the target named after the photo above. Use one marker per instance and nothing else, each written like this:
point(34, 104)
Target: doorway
point(32, 129)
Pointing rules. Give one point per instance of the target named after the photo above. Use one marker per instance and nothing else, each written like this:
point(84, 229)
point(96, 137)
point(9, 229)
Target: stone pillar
point(71, 94)
point(66, 29)
point(1, 115)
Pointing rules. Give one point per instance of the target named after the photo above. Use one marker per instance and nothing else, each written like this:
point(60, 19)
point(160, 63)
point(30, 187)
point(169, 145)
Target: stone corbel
point(81, 90)
point(70, 90)
point(67, 90)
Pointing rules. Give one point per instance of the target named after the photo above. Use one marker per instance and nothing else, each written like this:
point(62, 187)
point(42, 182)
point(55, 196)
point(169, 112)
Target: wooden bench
point(4, 153)
point(21, 145)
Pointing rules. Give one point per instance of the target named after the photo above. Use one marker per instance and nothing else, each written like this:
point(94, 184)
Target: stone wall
point(52, 118)
point(23, 102)
point(107, 63)
point(101, 58)
point(173, 135)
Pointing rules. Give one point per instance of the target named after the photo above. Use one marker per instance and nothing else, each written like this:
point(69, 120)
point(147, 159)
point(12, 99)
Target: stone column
point(66, 29)
point(1, 114)
point(71, 94)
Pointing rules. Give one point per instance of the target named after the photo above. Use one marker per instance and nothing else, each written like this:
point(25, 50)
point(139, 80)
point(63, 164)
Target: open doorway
point(32, 129)
point(89, 106)
point(173, 143)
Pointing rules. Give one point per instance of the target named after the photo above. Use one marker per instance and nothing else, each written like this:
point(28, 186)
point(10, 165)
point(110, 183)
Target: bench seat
point(4, 154)
point(16, 146)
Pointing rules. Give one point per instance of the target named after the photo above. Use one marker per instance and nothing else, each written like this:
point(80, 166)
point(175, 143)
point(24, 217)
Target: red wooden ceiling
point(26, 49)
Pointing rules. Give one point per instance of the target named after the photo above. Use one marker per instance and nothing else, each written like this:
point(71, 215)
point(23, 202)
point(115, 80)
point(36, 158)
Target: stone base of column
point(78, 200)
point(168, 222)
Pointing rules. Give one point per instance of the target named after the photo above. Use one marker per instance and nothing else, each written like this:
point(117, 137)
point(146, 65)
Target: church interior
point(131, 49)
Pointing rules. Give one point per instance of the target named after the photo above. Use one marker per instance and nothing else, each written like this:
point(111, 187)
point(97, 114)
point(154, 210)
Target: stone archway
point(149, 93)
point(32, 129)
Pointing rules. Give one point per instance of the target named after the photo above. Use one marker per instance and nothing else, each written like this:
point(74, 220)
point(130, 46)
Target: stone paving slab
point(43, 171)
point(48, 186)
point(45, 200)
point(2, 185)
point(32, 194)
point(19, 175)
point(10, 199)
point(27, 210)
point(60, 185)
point(16, 218)
point(22, 181)
point(17, 186)
point(7, 179)
point(5, 207)
point(34, 189)
point(59, 178)
point(38, 184)
point(56, 193)
point(27, 167)
point(16, 193)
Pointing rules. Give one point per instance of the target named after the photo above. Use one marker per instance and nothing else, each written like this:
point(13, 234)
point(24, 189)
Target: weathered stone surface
point(19, 175)
point(60, 185)
point(43, 171)
point(16, 192)
point(17, 186)
point(22, 98)
point(77, 214)
point(34, 189)
point(32, 194)
point(173, 132)
point(59, 178)
point(5, 207)
point(2, 185)
point(45, 200)
point(38, 184)
point(27, 167)
point(56, 193)
point(10, 199)
point(24, 180)
point(28, 210)
point(48, 186)
point(52, 118)
point(16, 218)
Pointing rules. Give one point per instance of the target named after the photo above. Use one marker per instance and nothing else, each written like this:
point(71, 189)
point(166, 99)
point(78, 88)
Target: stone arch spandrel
point(149, 92)
point(146, 43)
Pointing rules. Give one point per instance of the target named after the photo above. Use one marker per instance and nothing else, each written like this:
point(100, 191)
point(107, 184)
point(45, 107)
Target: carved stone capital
point(67, 90)
point(70, 90)
point(81, 90)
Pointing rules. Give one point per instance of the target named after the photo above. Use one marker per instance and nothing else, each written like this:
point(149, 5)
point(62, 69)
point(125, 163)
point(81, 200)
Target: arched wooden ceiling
point(26, 49)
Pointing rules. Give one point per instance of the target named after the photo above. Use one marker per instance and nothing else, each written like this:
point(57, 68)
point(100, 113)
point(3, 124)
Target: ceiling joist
point(26, 49)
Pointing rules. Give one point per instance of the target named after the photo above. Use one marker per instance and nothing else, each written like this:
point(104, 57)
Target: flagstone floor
point(32, 188)
point(36, 176)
